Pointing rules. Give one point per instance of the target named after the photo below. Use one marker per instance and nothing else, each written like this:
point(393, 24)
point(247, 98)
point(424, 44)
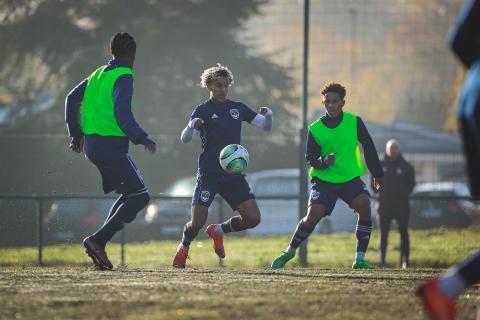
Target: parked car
point(281, 216)
point(72, 220)
point(436, 205)
point(165, 218)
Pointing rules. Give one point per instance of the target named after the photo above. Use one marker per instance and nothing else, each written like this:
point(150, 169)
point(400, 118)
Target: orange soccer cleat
point(217, 240)
point(437, 304)
point(180, 257)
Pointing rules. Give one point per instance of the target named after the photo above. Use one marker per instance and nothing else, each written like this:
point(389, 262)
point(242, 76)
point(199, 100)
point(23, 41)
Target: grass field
point(147, 288)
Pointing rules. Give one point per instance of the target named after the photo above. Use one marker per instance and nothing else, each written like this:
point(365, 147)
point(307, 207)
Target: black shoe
point(97, 253)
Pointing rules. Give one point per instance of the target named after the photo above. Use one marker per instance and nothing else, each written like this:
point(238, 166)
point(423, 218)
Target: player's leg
point(112, 211)
point(115, 206)
point(356, 195)
point(321, 203)
point(384, 222)
point(304, 228)
point(404, 241)
point(440, 293)
point(236, 191)
point(118, 171)
point(190, 232)
point(203, 195)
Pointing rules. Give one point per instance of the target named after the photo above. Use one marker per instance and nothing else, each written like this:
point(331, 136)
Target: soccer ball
point(234, 158)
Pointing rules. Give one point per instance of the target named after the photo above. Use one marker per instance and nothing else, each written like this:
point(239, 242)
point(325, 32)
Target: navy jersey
point(222, 125)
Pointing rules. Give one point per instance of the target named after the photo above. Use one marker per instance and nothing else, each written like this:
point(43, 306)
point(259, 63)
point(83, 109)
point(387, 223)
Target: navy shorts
point(326, 194)
point(233, 188)
point(110, 156)
point(118, 173)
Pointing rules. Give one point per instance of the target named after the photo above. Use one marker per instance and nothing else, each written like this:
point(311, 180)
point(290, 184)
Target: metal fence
point(42, 220)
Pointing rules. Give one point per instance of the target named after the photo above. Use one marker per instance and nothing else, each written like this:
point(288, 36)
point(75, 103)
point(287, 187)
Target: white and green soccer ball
point(234, 158)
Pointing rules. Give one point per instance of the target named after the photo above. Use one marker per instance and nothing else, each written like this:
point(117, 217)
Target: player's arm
point(313, 154)
point(122, 97)
point(73, 101)
point(191, 130)
point(263, 119)
point(464, 37)
point(371, 155)
point(410, 178)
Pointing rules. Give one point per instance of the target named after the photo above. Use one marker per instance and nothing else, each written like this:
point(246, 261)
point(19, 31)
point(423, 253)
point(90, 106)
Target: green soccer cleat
point(362, 264)
point(282, 260)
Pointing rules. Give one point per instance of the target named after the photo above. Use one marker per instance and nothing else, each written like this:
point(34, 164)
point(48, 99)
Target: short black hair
point(122, 44)
point(334, 87)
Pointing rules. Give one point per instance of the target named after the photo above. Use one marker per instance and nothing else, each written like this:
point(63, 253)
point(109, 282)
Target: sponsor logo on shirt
point(214, 116)
point(234, 113)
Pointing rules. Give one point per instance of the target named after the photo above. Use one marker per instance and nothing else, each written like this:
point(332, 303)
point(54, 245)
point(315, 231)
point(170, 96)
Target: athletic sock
point(363, 232)
point(234, 224)
point(125, 213)
point(218, 229)
point(187, 237)
point(291, 250)
point(301, 233)
point(451, 283)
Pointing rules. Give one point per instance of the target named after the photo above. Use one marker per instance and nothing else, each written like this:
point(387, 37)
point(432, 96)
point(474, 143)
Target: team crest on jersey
point(205, 195)
point(315, 195)
point(399, 171)
point(234, 113)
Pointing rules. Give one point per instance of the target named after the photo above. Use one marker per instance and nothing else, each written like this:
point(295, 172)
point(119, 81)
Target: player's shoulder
point(237, 104)
point(202, 107)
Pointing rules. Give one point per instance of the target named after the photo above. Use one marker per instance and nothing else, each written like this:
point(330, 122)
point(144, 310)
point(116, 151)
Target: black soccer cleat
point(97, 253)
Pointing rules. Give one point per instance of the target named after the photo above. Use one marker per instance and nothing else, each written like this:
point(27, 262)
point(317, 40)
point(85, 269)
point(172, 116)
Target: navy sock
point(125, 213)
point(188, 235)
point(301, 233)
point(234, 224)
point(115, 206)
point(469, 268)
point(363, 231)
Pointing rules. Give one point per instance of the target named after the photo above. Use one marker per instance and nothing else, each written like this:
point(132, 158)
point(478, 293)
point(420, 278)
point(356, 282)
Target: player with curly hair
point(336, 166)
point(218, 121)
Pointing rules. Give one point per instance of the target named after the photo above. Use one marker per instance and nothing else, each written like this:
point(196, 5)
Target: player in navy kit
point(440, 293)
point(99, 117)
point(218, 121)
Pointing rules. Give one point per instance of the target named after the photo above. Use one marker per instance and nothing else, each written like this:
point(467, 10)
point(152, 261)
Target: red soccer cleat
point(217, 240)
point(180, 257)
point(438, 305)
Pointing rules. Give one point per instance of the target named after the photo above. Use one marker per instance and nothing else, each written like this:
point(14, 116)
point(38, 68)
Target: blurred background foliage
point(391, 55)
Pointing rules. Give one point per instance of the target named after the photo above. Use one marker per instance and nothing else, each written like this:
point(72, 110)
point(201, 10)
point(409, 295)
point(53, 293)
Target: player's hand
point(196, 123)
point(377, 183)
point(76, 145)
point(263, 111)
point(150, 146)
point(330, 159)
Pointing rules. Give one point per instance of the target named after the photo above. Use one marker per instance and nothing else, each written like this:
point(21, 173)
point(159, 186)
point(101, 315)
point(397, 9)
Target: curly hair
point(212, 73)
point(334, 87)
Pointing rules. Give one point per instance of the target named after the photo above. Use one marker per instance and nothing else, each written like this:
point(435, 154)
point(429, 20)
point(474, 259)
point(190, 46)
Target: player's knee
point(144, 198)
point(253, 221)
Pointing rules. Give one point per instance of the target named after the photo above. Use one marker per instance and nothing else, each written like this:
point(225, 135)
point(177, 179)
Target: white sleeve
point(263, 122)
point(189, 132)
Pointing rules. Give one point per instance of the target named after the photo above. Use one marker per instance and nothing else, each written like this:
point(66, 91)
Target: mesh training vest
point(97, 107)
point(344, 141)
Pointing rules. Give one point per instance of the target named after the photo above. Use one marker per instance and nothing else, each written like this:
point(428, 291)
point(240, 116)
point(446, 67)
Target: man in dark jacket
point(393, 199)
